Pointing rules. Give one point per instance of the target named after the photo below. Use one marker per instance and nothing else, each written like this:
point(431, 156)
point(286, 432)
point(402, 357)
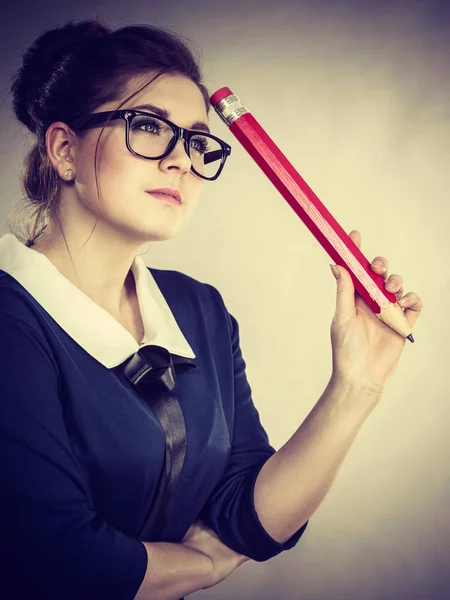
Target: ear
point(60, 144)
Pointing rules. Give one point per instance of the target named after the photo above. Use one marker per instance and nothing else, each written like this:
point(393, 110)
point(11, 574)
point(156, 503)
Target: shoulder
point(22, 325)
point(174, 283)
point(16, 302)
point(172, 279)
point(196, 302)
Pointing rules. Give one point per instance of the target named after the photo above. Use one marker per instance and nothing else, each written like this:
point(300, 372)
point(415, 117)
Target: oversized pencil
point(310, 209)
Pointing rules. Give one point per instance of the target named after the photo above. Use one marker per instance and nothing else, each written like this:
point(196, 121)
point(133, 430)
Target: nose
point(177, 159)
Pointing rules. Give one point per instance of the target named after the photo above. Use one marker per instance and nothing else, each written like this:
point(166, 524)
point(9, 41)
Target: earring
point(68, 174)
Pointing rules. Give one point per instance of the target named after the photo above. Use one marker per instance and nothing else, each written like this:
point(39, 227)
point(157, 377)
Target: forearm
point(295, 480)
point(173, 571)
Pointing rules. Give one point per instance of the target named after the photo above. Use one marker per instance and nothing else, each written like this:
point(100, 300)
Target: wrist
point(174, 570)
point(204, 564)
point(353, 392)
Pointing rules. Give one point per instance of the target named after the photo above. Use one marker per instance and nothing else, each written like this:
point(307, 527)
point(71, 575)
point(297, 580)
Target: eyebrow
point(198, 125)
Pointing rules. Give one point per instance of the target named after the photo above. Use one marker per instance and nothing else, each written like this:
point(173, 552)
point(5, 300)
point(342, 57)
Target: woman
point(92, 508)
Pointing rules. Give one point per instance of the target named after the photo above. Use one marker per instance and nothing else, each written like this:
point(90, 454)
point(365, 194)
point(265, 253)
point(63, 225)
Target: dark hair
point(69, 72)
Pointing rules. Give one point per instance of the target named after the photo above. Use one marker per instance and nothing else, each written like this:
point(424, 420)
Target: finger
point(345, 297)
point(380, 265)
point(394, 284)
point(413, 306)
point(355, 236)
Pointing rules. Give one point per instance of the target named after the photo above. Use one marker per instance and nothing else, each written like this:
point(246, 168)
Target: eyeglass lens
point(150, 137)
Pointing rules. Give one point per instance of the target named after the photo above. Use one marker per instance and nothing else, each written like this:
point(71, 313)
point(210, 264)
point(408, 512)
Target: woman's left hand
point(365, 350)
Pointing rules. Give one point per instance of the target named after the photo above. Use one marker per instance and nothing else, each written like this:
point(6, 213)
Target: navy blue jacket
point(81, 452)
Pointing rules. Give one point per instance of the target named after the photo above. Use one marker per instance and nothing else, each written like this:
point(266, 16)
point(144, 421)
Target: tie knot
point(154, 366)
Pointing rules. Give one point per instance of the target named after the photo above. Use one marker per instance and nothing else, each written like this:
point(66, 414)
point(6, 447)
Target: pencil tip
point(410, 338)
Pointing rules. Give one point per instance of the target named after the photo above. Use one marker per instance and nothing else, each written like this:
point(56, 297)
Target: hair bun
point(50, 52)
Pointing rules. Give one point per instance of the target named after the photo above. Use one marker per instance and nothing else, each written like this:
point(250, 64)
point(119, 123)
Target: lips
point(167, 192)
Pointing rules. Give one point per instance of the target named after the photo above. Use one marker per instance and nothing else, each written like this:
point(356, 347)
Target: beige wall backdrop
point(357, 95)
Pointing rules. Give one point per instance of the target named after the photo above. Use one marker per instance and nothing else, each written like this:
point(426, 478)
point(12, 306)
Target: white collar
point(91, 326)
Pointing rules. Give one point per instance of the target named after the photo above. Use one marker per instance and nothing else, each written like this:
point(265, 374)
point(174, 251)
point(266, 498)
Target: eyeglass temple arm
point(212, 156)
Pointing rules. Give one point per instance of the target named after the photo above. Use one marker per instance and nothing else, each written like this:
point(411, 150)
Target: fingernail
point(335, 271)
point(377, 263)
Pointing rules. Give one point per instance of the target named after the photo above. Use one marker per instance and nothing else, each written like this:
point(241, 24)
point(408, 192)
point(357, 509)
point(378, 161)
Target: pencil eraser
point(219, 95)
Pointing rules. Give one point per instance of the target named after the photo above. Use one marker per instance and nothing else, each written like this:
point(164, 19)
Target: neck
point(100, 269)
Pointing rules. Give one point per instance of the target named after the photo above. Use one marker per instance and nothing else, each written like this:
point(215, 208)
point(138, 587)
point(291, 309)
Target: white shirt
point(90, 325)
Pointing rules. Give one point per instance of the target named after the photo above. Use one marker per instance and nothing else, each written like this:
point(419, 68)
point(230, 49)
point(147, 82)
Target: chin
point(154, 229)
point(161, 237)
point(162, 234)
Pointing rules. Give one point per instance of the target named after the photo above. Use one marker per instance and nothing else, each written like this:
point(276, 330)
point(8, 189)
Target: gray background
point(356, 94)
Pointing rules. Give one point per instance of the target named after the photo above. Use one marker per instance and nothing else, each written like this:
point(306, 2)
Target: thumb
point(345, 294)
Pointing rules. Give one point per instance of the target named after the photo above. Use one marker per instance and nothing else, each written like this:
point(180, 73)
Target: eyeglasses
point(153, 137)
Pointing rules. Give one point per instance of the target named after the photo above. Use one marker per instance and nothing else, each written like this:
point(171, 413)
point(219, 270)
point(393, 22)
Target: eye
point(200, 144)
point(147, 125)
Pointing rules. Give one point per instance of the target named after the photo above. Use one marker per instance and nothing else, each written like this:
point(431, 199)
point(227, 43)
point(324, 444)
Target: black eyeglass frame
point(128, 115)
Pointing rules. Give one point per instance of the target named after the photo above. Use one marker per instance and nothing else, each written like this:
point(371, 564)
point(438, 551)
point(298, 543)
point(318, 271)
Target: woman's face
point(124, 204)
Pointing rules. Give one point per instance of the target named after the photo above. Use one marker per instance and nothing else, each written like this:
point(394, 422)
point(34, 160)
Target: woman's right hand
point(224, 560)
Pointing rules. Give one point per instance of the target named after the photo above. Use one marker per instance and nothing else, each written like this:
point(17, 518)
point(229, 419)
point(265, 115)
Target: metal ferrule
point(230, 109)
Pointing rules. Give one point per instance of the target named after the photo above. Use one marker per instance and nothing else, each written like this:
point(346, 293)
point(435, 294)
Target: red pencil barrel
point(306, 204)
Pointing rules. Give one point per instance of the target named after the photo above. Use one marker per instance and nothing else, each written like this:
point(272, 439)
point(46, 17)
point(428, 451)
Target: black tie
point(152, 371)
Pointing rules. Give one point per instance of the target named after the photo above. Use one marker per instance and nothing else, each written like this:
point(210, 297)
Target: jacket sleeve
point(53, 545)
point(230, 509)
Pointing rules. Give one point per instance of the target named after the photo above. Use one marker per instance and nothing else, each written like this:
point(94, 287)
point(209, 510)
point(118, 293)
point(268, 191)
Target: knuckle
point(414, 301)
point(418, 302)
